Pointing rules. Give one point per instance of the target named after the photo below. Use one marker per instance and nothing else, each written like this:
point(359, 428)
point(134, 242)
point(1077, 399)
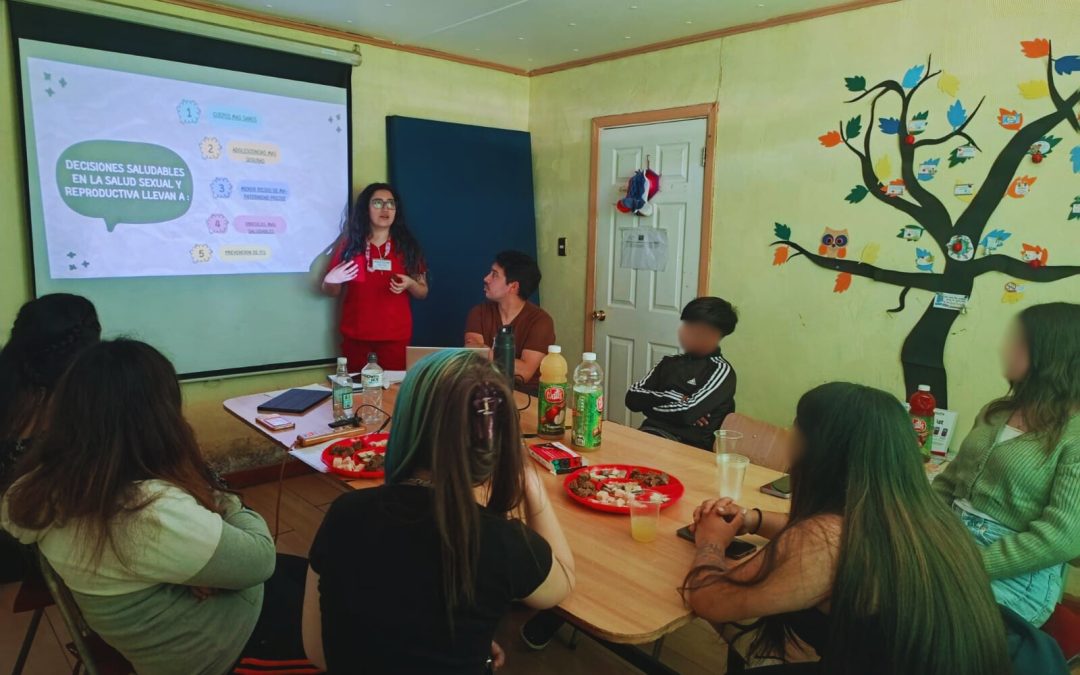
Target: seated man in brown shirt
point(514, 276)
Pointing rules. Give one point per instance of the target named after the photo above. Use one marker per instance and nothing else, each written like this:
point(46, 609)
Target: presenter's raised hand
point(344, 272)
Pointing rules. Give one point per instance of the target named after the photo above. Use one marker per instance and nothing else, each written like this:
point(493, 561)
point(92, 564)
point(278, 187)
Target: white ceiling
point(528, 34)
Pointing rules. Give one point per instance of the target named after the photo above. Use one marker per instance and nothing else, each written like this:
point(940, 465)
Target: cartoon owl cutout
point(834, 243)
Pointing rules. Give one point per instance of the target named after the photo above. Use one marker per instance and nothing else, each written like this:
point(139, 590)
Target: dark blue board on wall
point(468, 194)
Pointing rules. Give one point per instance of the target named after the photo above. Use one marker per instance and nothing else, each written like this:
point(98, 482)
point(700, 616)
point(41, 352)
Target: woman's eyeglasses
point(384, 204)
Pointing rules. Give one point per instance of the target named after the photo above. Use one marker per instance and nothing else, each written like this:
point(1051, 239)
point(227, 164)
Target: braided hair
point(47, 335)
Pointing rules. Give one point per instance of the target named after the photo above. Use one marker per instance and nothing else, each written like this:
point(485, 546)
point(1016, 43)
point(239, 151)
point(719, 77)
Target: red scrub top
point(370, 310)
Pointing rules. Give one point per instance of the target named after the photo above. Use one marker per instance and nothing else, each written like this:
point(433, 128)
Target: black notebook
point(295, 401)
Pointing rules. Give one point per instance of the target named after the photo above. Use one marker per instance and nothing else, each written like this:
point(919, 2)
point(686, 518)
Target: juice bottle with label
point(588, 403)
point(922, 405)
point(552, 404)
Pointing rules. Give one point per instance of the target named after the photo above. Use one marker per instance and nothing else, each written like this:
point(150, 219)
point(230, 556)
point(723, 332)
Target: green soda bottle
point(588, 403)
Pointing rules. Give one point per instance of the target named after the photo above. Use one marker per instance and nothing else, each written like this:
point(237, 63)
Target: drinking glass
point(730, 472)
point(644, 516)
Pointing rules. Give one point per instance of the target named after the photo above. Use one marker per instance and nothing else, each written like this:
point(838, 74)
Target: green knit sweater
point(1025, 486)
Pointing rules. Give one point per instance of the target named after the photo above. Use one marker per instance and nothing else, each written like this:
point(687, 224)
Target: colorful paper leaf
point(780, 255)
point(854, 126)
point(883, 169)
point(1074, 210)
point(857, 194)
point(921, 115)
point(912, 76)
point(1033, 89)
point(889, 125)
point(1051, 143)
point(869, 254)
point(957, 114)
point(782, 231)
point(1035, 49)
point(948, 84)
point(855, 83)
point(955, 158)
point(1010, 119)
point(830, 139)
point(843, 282)
point(1066, 65)
point(1074, 155)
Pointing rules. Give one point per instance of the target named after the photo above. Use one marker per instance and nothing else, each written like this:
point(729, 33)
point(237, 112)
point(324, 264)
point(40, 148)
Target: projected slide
point(143, 174)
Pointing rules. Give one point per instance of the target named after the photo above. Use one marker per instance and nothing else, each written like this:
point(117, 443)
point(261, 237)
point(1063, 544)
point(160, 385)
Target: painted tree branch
point(887, 85)
point(936, 220)
point(957, 132)
point(1021, 269)
point(921, 280)
point(1055, 95)
point(926, 76)
point(975, 217)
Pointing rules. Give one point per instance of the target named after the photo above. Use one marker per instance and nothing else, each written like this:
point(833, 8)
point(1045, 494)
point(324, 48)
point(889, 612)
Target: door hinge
point(703, 156)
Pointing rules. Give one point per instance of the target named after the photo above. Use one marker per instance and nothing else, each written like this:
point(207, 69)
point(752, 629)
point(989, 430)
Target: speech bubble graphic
point(124, 182)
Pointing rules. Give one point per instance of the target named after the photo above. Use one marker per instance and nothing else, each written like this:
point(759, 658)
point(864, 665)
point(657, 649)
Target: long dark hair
point(358, 228)
point(439, 427)
point(1049, 394)
point(48, 334)
point(908, 576)
point(114, 419)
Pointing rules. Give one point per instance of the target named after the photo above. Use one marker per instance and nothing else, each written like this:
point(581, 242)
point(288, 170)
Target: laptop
point(414, 354)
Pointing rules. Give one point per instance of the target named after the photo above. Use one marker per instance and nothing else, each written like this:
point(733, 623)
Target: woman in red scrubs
point(380, 267)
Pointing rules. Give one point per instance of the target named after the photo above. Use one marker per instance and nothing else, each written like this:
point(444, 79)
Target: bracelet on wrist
point(760, 518)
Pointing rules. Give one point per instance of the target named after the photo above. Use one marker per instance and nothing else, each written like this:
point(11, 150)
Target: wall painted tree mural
point(968, 249)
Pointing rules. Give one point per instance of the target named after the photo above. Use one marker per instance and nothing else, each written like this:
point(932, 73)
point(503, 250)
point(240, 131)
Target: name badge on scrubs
point(381, 265)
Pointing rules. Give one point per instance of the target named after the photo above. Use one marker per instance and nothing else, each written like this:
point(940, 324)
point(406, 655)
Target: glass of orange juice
point(645, 516)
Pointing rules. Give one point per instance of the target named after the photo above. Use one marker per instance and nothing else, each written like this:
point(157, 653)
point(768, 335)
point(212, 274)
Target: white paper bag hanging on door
point(643, 248)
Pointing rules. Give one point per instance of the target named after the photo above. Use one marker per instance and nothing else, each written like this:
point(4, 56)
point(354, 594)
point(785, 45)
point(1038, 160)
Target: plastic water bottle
point(922, 406)
point(588, 403)
point(342, 397)
point(372, 379)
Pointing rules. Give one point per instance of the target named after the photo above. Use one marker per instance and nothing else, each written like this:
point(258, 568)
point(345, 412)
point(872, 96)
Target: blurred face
point(698, 339)
point(1015, 357)
point(796, 444)
point(382, 208)
point(495, 286)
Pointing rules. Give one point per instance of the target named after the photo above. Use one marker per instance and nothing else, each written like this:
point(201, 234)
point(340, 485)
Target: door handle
point(599, 315)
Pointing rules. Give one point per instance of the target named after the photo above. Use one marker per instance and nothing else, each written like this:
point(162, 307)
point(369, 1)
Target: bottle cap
point(506, 329)
point(588, 356)
point(924, 387)
point(554, 349)
point(372, 358)
point(342, 361)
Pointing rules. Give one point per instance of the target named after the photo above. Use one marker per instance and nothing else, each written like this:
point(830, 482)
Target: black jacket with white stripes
point(680, 390)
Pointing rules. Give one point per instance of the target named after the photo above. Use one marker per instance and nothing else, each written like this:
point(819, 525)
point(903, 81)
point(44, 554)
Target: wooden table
point(627, 592)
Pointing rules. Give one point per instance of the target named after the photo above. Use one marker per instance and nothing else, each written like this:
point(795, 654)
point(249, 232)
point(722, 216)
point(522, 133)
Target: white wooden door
point(636, 311)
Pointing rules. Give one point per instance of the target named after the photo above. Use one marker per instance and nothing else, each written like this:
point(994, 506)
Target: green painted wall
point(388, 83)
point(778, 90)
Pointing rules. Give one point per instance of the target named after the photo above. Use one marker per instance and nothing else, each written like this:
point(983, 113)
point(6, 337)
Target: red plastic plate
point(673, 490)
point(370, 442)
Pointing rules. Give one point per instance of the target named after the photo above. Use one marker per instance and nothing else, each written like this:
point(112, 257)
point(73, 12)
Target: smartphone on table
point(781, 487)
point(736, 550)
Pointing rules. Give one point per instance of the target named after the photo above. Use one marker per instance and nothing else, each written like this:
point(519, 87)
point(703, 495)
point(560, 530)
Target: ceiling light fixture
point(689, 22)
point(576, 49)
point(572, 23)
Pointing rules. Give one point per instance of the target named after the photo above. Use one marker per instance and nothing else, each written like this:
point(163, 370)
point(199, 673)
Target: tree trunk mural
point(922, 355)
